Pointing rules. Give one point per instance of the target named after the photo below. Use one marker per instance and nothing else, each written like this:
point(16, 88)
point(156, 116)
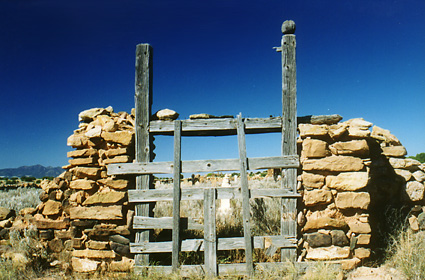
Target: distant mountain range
point(37, 171)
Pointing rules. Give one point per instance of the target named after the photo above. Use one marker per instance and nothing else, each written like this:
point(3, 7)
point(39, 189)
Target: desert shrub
point(20, 198)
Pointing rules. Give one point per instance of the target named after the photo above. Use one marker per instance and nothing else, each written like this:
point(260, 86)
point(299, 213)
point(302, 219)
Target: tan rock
point(337, 130)
point(93, 254)
point(90, 114)
point(166, 114)
point(362, 253)
point(419, 175)
point(77, 141)
point(358, 132)
point(77, 197)
point(97, 212)
point(328, 253)
point(384, 135)
point(27, 211)
point(124, 265)
point(350, 264)
point(358, 122)
point(350, 148)
point(415, 190)
point(82, 184)
point(119, 184)
point(97, 245)
point(313, 148)
point(116, 152)
point(94, 132)
point(363, 239)
point(312, 130)
point(86, 172)
point(357, 226)
point(311, 180)
point(82, 161)
point(413, 222)
point(405, 163)
point(5, 223)
point(316, 197)
point(406, 174)
point(394, 151)
point(346, 200)
point(52, 207)
point(84, 265)
point(124, 138)
point(324, 222)
point(104, 198)
point(348, 181)
point(48, 186)
point(82, 153)
point(118, 159)
point(51, 224)
point(334, 163)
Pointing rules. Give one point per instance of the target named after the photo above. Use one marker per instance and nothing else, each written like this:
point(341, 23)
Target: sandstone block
point(5, 213)
point(362, 253)
point(119, 184)
point(394, 151)
point(415, 190)
point(363, 239)
point(358, 132)
point(419, 175)
point(97, 245)
point(77, 141)
point(316, 197)
point(48, 186)
point(350, 264)
point(311, 180)
point(357, 226)
point(84, 265)
point(339, 238)
point(348, 181)
point(405, 163)
point(124, 138)
point(328, 253)
point(86, 172)
point(94, 132)
point(119, 239)
point(313, 148)
point(406, 174)
point(56, 245)
point(51, 224)
point(120, 249)
point(90, 114)
point(94, 254)
point(359, 122)
point(116, 152)
point(27, 211)
point(350, 148)
point(126, 264)
point(324, 223)
point(346, 200)
point(166, 114)
point(334, 163)
point(384, 135)
point(318, 239)
point(97, 212)
point(312, 130)
point(105, 198)
point(117, 159)
point(52, 207)
point(82, 184)
point(82, 153)
point(82, 161)
point(337, 130)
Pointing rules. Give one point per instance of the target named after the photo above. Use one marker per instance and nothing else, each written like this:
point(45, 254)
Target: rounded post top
point(288, 27)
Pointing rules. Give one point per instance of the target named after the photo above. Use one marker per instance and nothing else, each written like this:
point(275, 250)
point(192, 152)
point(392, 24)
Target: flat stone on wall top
point(333, 163)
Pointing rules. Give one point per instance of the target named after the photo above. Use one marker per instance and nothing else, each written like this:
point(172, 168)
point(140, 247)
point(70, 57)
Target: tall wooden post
point(289, 133)
point(176, 194)
point(143, 101)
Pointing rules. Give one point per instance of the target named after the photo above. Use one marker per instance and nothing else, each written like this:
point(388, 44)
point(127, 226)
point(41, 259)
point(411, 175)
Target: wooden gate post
point(143, 107)
point(289, 133)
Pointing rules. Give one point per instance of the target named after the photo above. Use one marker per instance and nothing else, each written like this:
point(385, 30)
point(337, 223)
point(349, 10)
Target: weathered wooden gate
point(145, 195)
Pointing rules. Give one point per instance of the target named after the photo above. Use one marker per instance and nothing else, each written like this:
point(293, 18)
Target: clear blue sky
point(354, 58)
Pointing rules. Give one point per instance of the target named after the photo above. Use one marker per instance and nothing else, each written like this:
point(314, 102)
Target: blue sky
point(354, 58)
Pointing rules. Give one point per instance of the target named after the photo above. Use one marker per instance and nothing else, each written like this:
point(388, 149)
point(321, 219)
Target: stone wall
point(351, 176)
point(352, 180)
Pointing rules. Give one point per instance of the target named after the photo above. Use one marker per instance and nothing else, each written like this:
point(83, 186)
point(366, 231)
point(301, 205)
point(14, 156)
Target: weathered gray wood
point(176, 195)
point(165, 223)
point(233, 269)
point(137, 196)
point(229, 243)
point(289, 137)
point(143, 105)
point(246, 215)
point(216, 127)
point(210, 238)
point(323, 119)
point(194, 166)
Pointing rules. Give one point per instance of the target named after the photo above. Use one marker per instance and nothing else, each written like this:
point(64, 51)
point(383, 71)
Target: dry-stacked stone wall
point(352, 177)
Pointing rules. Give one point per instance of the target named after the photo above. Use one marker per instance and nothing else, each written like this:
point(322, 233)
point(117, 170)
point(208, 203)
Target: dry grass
point(20, 198)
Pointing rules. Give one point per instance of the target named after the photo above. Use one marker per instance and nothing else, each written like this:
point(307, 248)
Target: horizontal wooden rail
point(154, 195)
point(232, 269)
point(140, 222)
point(193, 166)
point(228, 243)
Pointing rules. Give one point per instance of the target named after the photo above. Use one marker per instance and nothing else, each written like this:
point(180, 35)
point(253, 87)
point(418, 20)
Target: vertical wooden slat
point(176, 194)
point(210, 238)
point(245, 196)
point(143, 141)
point(289, 132)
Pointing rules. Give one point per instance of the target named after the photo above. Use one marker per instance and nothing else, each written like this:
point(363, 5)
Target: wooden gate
point(145, 195)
